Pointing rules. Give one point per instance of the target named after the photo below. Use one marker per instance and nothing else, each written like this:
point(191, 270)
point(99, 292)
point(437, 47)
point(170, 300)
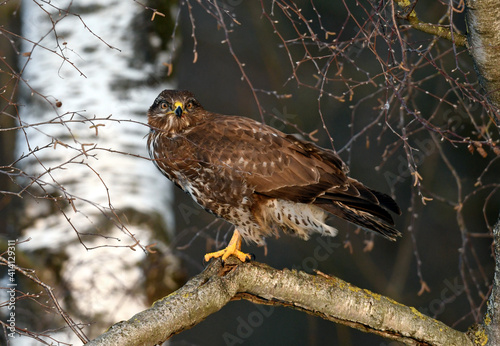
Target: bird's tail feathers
point(374, 218)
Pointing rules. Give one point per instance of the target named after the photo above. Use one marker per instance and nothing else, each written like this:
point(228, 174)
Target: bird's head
point(174, 111)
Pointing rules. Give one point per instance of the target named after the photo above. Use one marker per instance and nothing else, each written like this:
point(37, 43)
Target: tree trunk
point(483, 23)
point(88, 80)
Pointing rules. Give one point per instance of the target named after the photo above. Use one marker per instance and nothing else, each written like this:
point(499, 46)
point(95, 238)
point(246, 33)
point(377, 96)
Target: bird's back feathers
point(231, 160)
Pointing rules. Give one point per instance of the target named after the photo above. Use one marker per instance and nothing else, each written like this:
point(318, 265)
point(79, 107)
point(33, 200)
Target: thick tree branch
point(320, 295)
point(434, 29)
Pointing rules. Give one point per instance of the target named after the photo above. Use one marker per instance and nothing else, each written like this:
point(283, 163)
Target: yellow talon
point(233, 248)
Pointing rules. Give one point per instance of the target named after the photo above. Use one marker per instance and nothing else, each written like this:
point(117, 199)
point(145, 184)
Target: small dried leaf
point(425, 199)
point(369, 244)
point(482, 152)
point(471, 148)
point(423, 288)
point(348, 245)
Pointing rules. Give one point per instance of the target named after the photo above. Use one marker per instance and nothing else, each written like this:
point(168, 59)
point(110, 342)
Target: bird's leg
point(233, 248)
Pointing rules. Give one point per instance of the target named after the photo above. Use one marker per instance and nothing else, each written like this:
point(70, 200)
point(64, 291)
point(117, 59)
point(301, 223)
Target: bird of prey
point(258, 178)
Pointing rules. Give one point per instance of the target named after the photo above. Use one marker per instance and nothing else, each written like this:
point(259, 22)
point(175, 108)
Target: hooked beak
point(178, 109)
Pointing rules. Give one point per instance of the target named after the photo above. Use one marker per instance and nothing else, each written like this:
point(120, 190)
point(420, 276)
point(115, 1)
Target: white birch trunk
point(118, 199)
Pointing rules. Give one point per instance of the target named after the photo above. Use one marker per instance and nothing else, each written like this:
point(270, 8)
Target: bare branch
point(49, 290)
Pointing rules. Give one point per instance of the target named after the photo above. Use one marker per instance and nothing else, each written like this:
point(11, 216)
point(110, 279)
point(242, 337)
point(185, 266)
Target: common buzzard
point(258, 178)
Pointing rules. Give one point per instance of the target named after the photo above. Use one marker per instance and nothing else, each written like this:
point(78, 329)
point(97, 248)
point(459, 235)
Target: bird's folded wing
point(273, 163)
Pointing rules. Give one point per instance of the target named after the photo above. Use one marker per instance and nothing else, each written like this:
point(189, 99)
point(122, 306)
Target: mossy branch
point(320, 295)
point(434, 29)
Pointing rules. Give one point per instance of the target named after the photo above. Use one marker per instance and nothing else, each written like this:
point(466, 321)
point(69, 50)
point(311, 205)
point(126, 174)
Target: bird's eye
point(164, 105)
point(190, 105)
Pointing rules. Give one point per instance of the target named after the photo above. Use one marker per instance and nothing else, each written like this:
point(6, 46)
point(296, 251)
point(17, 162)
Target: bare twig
point(32, 276)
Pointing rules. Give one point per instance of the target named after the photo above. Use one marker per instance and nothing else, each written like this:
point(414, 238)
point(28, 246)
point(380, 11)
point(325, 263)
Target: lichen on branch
point(408, 13)
point(321, 295)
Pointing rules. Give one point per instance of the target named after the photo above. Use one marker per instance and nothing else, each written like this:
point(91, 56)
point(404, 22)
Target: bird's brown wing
point(276, 164)
point(282, 166)
point(273, 163)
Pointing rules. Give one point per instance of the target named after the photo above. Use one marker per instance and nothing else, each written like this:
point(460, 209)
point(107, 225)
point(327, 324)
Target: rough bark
point(324, 296)
point(483, 24)
point(491, 321)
